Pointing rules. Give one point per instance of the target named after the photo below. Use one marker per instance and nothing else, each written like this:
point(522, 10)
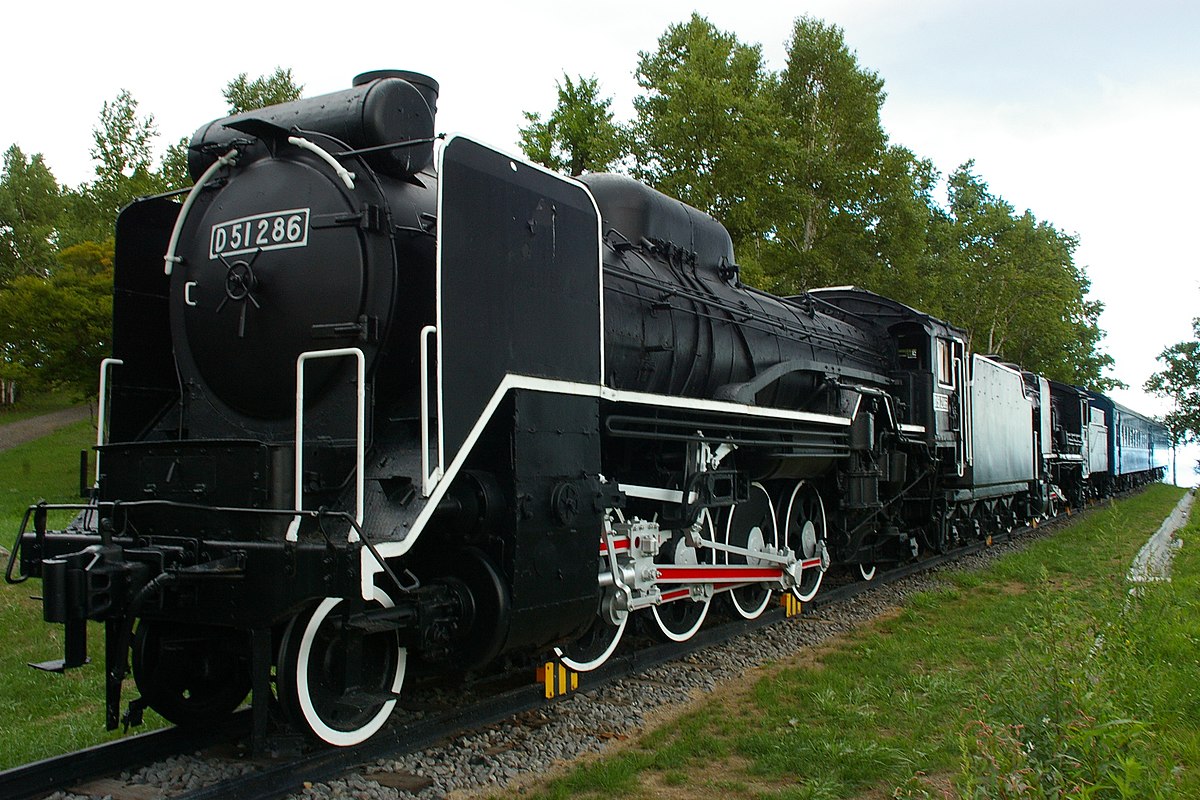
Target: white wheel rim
point(588, 666)
point(808, 548)
point(687, 556)
point(755, 611)
point(334, 736)
point(690, 632)
point(868, 573)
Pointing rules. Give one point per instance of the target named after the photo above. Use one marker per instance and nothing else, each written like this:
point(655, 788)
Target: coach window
point(945, 363)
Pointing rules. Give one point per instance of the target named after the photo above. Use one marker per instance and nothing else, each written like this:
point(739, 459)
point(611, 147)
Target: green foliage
point(35, 404)
point(828, 111)
point(31, 207)
point(1068, 731)
point(901, 210)
point(579, 135)
point(56, 291)
point(56, 248)
point(123, 149)
point(705, 124)
point(241, 95)
point(1014, 286)
point(46, 469)
point(56, 329)
point(44, 715)
point(174, 170)
point(1179, 380)
point(265, 90)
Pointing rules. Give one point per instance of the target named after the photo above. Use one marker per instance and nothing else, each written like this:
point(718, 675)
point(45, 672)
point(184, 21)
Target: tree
point(31, 208)
point(174, 171)
point(1179, 381)
point(265, 90)
point(833, 155)
point(795, 164)
point(241, 95)
point(56, 247)
point(900, 214)
point(55, 330)
point(123, 149)
point(705, 126)
point(799, 169)
point(1014, 285)
point(579, 135)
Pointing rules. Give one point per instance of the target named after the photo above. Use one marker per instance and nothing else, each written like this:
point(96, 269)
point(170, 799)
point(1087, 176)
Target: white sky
point(1086, 113)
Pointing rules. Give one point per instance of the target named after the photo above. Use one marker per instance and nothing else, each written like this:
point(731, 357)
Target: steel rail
point(40, 778)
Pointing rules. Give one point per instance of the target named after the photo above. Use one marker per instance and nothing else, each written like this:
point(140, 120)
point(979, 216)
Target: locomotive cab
point(929, 367)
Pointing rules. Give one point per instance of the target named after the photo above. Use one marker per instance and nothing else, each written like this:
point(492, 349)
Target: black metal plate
point(519, 280)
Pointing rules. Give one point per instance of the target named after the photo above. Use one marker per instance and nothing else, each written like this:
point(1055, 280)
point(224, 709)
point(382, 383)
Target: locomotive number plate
point(276, 230)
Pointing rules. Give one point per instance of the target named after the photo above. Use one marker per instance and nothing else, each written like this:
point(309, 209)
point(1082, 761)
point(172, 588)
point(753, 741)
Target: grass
point(45, 469)
point(1037, 677)
point(40, 714)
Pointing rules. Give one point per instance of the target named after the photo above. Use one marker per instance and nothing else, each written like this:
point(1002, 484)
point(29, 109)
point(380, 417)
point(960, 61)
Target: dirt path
point(1153, 561)
point(26, 430)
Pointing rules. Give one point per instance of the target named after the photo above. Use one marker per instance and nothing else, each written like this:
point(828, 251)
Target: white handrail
point(102, 408)
point(360, 450)
point(304, 144)
point(170, 259)
point(428, 479)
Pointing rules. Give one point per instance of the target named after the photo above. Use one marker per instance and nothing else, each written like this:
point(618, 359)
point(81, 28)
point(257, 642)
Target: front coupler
point(97, 582)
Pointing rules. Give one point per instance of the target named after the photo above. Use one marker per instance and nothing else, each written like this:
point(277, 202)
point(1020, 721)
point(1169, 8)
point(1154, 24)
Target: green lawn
point(43, 714)
point(47, 468)
point(1035, 678)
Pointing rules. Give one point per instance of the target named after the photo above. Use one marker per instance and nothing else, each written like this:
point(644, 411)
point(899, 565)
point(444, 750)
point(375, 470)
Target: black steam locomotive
point(369, 413)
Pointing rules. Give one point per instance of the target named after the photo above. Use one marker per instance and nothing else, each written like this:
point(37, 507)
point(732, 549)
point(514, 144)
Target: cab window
point(945, 363)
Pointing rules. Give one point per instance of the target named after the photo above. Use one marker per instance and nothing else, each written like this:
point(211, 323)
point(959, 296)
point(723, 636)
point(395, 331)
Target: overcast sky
point(1085, 113)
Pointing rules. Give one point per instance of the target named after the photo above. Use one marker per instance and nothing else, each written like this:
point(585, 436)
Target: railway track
point(284, 775)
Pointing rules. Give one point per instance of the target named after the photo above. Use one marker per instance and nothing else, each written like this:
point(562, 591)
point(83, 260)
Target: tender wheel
point(1008, 517)
point(193, 675)
point(867, 571)
point(751, 525)
point(981, 522)
point(679, 620)
point(593, 648)
point(946, 535)
point(805, 535)
point(339, 703)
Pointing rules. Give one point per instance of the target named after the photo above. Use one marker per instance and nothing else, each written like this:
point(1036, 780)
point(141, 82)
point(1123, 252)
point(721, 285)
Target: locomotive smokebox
point(388, 109)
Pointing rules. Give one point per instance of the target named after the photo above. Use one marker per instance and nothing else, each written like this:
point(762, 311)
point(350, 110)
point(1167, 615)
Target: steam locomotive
point(381, 402)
